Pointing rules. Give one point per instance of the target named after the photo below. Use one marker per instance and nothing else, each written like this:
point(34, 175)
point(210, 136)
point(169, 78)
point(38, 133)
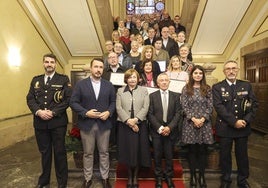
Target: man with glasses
point(236, 105)
point(123, 57)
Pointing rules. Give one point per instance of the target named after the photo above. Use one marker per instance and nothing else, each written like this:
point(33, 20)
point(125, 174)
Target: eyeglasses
point(229, 69)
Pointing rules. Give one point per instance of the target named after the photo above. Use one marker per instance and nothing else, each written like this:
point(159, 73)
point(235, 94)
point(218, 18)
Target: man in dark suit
point(163, 117)
point(236, 105)
point(169, 44)
point(48, 99)
point(93, 100)
point(151, 37)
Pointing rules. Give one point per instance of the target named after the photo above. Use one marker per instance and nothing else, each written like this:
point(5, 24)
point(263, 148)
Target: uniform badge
point(37, 85)
point(224, 93)
point(58, 96)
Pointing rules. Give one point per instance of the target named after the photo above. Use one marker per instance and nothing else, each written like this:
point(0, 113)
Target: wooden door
point(256, 69)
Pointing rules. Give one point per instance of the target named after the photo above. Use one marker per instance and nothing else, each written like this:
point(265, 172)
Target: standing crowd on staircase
point(127, 101)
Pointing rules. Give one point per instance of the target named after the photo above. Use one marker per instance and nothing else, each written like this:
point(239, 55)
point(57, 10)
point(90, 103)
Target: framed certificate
point(151, 89)
point(176, 85)
point(117, 79)
point(162, 65)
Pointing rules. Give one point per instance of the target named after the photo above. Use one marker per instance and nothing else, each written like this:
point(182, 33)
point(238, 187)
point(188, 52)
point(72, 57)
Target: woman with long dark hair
point(196, 100)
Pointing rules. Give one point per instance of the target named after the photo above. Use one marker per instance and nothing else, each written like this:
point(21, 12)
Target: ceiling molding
point(74, 22)
point(42, 26)
point(217, 26)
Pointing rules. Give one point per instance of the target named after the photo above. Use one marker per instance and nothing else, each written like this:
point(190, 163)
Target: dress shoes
point(170, 183)
point(244, 185)
point(106, 183)
point(87, 184)
point(129, 185)
point(158, 183)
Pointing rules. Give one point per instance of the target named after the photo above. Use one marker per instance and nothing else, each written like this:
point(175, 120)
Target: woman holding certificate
point(174, 69)
point(132, 103)
point(196, 101)
point(147, 68)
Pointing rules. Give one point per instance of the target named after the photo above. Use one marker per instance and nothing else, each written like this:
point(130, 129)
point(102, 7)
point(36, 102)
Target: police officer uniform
point(50, 134)
point(233, 103)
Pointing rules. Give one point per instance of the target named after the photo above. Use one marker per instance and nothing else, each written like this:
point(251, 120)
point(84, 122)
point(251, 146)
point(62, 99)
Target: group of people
point(150, 51)
point(140, 114)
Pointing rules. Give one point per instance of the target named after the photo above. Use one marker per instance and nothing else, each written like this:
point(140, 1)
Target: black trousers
point(163, 145)
point(241, 154)
point(48, 141)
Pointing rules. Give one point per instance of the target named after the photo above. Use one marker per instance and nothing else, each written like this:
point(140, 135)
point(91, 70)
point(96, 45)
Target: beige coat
point(140, 103)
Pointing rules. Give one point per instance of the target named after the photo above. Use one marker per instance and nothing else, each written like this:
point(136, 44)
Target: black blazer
point(172, 47)
point(230, 107)
point(55, 97)
point(155, 113)
point(148, 42)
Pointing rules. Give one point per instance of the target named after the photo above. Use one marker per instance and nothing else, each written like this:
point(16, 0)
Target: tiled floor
point(20, 167)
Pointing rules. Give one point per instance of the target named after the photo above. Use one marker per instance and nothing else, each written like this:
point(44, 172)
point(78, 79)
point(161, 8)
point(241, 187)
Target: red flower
point(75, 132)
point(217, 139)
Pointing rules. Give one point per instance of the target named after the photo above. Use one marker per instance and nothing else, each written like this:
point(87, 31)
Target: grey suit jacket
point(124, 100)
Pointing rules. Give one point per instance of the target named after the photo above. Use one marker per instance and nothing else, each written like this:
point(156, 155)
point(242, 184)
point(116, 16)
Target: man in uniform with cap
point(48, 99)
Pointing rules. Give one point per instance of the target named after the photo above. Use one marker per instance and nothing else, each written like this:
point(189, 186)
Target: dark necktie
point(48, 79)
point(233, 89)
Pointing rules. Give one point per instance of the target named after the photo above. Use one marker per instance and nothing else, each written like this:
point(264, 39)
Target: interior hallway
point(20, 167)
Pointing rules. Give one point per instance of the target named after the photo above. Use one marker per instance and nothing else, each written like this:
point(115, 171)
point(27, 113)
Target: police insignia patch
point(58, 96)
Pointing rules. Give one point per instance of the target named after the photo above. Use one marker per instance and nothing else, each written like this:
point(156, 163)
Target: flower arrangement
point(73, 140)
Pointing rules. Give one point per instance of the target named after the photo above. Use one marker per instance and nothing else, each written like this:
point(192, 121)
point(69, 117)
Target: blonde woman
point(147, 56)
point(174, 70)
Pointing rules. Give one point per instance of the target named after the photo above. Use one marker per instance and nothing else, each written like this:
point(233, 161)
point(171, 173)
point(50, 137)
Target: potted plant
point(73, 144)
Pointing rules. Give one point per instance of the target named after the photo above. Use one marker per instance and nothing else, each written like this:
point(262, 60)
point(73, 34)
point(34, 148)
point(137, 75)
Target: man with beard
point(48, 99)
point(93, 100)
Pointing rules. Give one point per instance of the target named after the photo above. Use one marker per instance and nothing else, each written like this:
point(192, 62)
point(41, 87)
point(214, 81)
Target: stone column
point(209, 68)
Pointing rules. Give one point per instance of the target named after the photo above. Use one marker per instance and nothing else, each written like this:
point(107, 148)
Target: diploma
point(176, 85)
point(162, 65)
point(117, 79)
point(151, 89)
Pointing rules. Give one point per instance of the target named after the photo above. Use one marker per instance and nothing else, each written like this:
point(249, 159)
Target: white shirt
point(46, 76)
point(96, 87)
